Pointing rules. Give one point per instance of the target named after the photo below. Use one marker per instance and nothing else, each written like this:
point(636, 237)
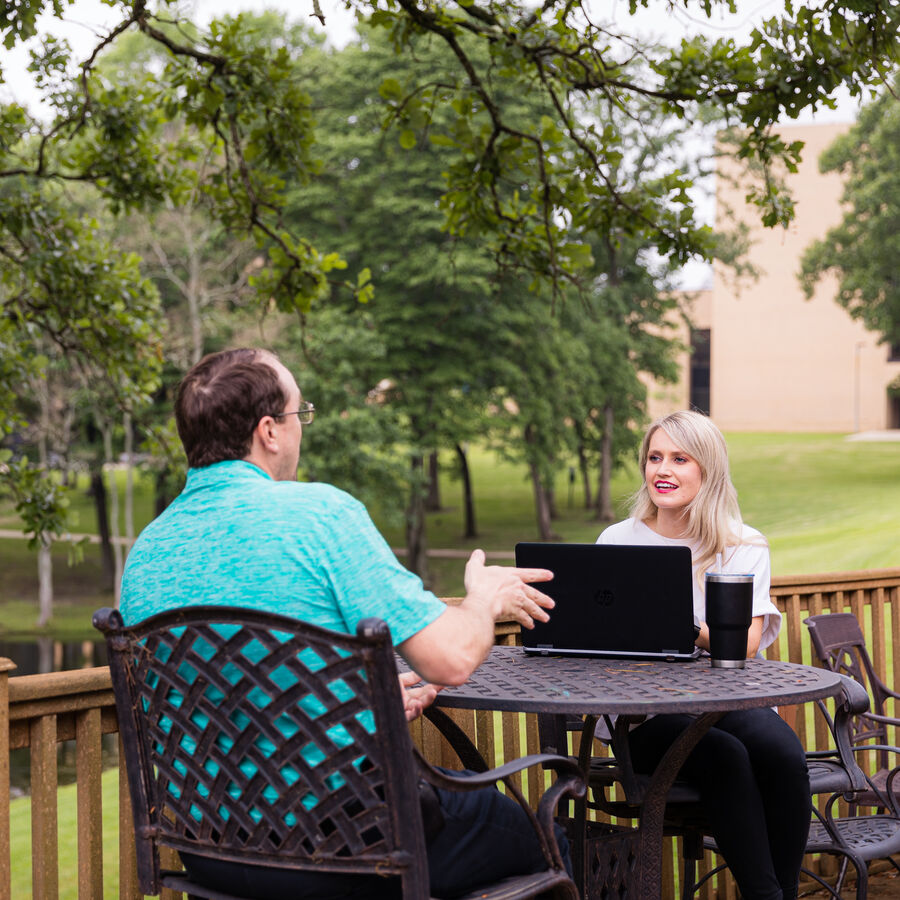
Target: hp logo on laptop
point(604, 597)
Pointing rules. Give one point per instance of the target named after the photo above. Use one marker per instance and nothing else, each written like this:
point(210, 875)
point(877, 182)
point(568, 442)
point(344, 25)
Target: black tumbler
point(729, 609)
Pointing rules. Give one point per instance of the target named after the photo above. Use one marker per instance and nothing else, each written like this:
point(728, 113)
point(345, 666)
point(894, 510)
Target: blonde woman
point(750, 768)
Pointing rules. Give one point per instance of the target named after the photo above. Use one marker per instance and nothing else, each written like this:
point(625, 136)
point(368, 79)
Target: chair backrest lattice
point(840, 645)
point(259, 739)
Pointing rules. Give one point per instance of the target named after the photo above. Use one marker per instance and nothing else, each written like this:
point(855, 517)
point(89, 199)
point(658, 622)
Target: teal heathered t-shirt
point(236, 537)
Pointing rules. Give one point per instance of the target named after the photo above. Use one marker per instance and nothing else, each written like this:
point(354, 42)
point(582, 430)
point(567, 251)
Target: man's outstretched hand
point(508, 590)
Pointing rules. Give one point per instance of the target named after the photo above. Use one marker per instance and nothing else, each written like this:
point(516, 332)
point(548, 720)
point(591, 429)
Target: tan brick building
point(766, 358)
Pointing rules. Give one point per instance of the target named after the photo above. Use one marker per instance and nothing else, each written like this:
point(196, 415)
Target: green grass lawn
point(20, 841)
point(825, 504)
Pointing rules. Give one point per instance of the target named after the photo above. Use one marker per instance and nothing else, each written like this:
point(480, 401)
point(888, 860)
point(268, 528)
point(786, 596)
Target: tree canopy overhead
point(556, 171)
point(531, 188)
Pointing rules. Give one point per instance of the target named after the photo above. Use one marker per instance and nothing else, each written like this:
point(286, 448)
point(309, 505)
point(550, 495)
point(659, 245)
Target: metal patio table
point(511, 680)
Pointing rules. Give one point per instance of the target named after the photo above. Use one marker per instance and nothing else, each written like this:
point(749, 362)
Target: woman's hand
point(754, 635)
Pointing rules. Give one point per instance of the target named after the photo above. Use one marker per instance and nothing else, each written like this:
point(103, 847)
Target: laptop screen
point(613, 600)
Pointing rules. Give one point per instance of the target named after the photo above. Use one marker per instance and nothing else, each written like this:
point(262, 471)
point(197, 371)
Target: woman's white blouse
point(750, 557)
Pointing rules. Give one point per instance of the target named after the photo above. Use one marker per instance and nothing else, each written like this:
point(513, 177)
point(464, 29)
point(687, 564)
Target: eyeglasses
point(304, 414)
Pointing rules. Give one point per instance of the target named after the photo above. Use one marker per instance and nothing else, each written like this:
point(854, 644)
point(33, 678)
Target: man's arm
point(451, 647)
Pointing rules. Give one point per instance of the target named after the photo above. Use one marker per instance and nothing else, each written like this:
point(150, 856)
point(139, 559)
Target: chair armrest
point(856, 697)
point(467, 753)
point(861, 748)
point(887, 795)
point(572, 785)
point(885, 690)
point(887, 720)
point(569, 782)
point(890, 793)
point(564, 766)
point(853, 701)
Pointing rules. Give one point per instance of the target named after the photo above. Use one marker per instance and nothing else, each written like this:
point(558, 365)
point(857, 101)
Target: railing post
point(6, 666)
point(44, 817)
point(89, 769)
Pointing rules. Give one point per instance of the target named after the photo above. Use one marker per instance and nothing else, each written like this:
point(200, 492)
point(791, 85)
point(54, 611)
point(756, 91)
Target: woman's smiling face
point(673, 477)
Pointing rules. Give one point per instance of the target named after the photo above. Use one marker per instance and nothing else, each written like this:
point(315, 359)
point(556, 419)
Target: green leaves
point(65, 280)
point(39, 498)
point(391, 89)
point(863, 249)
point(18, 18)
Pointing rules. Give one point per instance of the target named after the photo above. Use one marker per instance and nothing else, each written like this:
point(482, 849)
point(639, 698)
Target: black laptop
point(613, 600)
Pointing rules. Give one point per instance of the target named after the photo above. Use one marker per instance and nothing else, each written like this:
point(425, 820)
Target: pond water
point(44, 654)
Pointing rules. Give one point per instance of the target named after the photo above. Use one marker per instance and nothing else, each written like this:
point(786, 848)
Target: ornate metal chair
point(860, 837)
point(260, 741)
point(839, 644)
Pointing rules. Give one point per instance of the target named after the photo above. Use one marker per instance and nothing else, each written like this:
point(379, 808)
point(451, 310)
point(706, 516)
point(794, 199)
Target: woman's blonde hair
point(713, 516)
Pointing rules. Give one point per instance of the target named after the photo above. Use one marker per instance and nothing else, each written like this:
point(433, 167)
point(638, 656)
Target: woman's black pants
point(750, 770)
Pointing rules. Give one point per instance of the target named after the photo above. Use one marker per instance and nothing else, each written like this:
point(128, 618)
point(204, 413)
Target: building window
point(893, 352)
point(699, 382)
point(893, 412)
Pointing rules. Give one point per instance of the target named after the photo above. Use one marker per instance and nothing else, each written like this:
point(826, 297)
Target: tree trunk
point(129, 483)
point(469, 530)
point(541, 506)
point(416, 546)
point(113, 515)
point(44, 560)
point(194, 297)
point(605, 511)
point(433, 498)
point(45, 581)
point(550, 493)
point(585, 475)
point(45, 654)
point(161, 497)
point(542, 502)
point(98, 492)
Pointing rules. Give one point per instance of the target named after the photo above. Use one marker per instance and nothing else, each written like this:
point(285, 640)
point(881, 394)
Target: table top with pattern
point(510, 679)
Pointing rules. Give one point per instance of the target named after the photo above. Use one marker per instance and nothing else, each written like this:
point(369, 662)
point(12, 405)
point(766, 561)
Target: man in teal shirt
point(244, 532)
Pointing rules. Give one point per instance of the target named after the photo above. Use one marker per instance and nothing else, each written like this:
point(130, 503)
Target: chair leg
point(688, 879)
point(691, 852)
point(842, 873)
point(862, 876)
point(821, 881)
point(862, 880)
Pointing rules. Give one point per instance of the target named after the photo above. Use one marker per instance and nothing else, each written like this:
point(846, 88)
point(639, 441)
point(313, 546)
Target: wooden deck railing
point(40, 711)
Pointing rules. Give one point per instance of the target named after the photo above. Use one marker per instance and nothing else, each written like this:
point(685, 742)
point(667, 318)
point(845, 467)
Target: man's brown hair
point(221, 400)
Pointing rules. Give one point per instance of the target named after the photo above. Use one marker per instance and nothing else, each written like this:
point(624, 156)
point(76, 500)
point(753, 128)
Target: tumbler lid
point(725, 578)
